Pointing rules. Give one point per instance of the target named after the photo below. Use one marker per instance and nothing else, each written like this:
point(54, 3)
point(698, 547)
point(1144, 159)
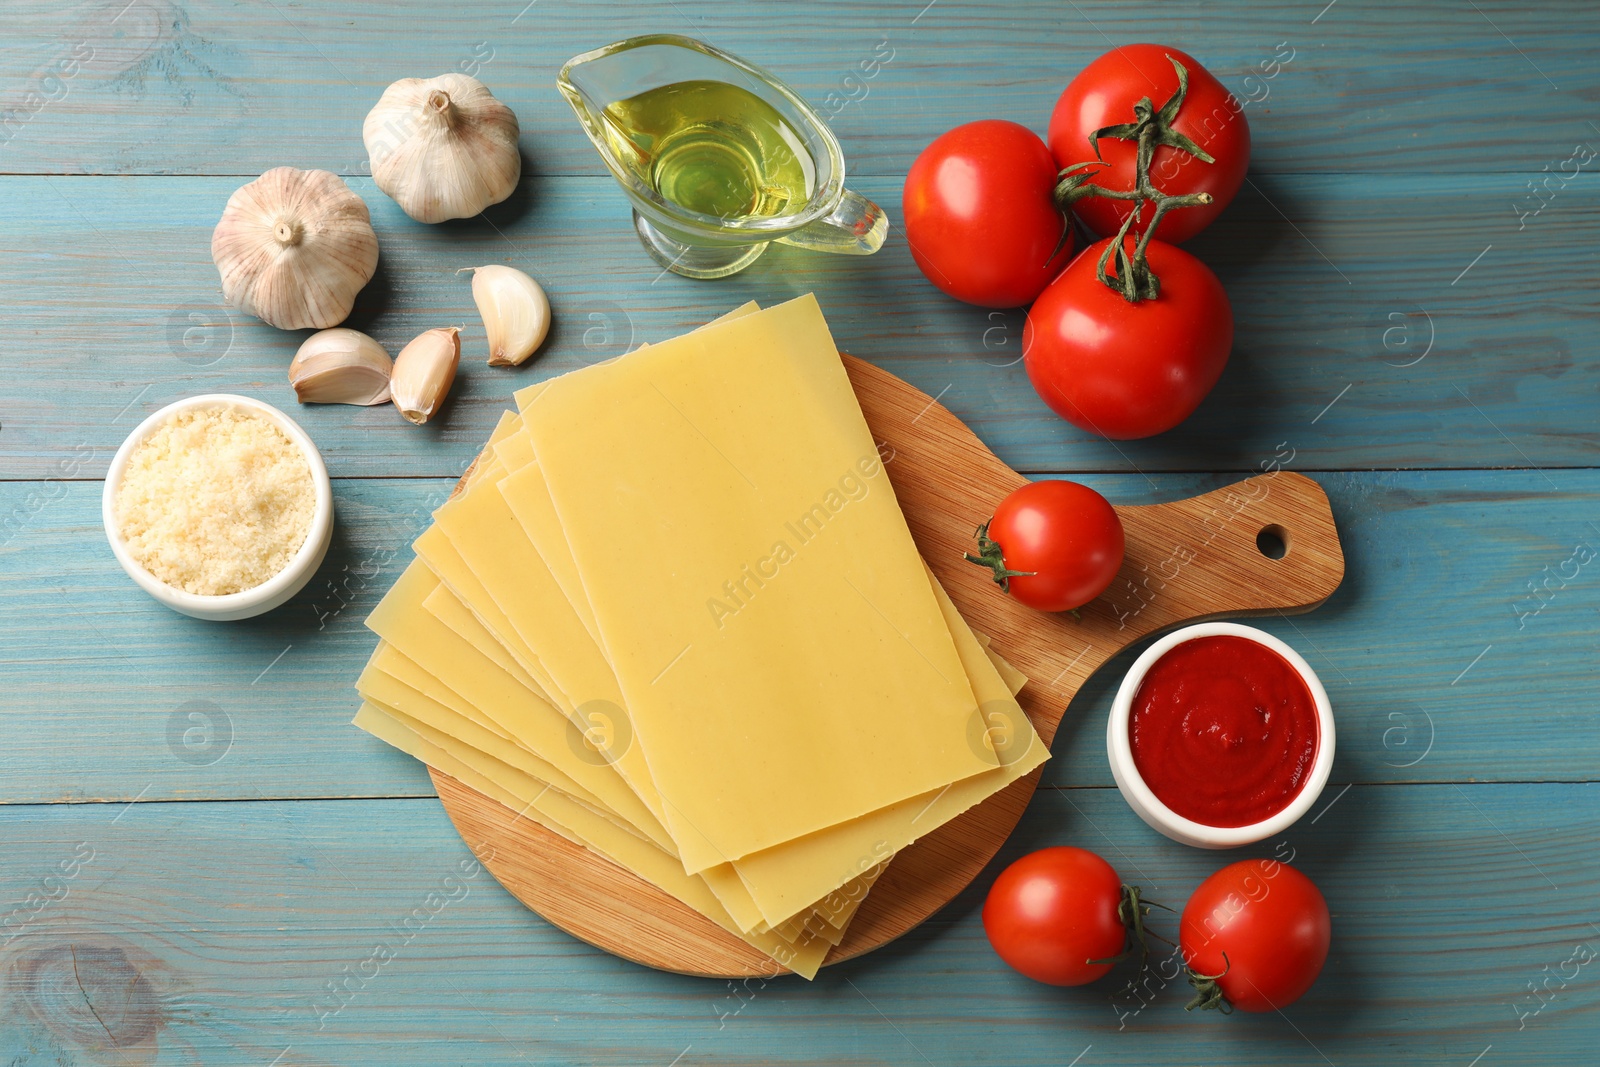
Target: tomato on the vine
point(1054, 545)
point(1104, 94)
point(1126, 369)
point(1254, 936)
point(1060, 915)
point(980, 217)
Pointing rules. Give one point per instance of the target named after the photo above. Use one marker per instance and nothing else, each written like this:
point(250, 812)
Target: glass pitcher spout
point(717, 157)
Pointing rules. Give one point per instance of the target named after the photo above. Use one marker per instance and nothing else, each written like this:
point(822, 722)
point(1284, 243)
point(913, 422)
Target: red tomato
point(1053, 545)
point(1262, 929)
point(1104, 93)
point(1052, 911)
point(980, 217)
point(1123, 369)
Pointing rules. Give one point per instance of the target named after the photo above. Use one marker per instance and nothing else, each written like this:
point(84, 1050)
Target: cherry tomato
point(980, 219)
point(1122, 369)
point(1261, 929)
point(1104, 93)
point(1052, 912)
point(1053, 545)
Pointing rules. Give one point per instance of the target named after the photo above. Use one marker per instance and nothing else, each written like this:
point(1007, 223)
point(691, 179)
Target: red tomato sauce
point(1224, 731)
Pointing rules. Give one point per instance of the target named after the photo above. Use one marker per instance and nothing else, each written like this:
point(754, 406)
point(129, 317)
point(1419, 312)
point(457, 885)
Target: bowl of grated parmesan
point(218, 506)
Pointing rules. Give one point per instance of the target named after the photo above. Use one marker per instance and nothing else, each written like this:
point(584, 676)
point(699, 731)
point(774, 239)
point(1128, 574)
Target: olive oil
point(714, 148)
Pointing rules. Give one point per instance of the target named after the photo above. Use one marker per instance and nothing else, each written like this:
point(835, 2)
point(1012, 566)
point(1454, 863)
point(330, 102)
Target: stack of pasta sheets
point(676, 616)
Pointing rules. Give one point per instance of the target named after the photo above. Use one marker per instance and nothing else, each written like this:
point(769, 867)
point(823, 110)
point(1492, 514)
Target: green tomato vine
point(1151, 127)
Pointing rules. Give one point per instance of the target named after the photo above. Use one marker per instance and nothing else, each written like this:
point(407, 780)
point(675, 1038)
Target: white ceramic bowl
point(1139, 795)
point(270, 593)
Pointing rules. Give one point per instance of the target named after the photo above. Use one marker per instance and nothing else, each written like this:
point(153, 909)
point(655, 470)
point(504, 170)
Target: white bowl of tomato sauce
point(1221, 735)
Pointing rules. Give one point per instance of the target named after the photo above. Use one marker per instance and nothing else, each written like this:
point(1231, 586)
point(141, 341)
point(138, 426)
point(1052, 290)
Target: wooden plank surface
point(1413, 280)
point(235, 88)
point(217, 929)
point(1494, 371)
point(1438, 568)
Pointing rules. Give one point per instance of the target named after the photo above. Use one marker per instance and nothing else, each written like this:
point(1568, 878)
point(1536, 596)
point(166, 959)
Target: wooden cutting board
point(1186, 560)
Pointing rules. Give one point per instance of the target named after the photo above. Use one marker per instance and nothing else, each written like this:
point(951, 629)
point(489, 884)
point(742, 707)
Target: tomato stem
point(1150, 128)
point(990, 555)
point(1131, 910)
point(1207, 993)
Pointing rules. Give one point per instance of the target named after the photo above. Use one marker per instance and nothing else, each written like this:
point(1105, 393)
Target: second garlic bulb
point(294, 247)
point(443, 148)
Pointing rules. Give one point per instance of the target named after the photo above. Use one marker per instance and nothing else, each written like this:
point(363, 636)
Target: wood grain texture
point(208, 87)
point(1398, 160)
point(1494, 371)
point(1203, 551)
point(239, 916)
point(96, 674)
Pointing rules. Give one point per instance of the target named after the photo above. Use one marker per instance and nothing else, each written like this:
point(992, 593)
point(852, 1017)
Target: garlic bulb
point(294, 247)
point(516, 313)
point(443, 148)
point(341, 367)
point(423, 373)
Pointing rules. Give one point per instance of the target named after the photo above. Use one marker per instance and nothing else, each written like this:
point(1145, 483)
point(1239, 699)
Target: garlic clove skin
point(341, 366)
point(442, 148)
point(294, 247)
point(423, 373)
point(515, 311)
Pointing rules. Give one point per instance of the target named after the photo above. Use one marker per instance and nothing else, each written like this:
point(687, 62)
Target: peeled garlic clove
point(423, 373)
point(341, 366)
point(516, 313)
point(294, 247)
point(443, 148)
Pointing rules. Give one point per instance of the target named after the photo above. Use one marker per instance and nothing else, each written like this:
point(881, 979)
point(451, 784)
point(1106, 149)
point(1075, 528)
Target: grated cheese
point(215, 501)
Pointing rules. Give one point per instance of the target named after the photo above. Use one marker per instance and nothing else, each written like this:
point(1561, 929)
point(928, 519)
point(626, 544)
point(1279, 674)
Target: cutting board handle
point(1206, 557)
point(1186, 560)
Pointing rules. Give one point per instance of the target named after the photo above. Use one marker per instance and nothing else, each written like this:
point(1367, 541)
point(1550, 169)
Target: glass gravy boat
point(825, 217)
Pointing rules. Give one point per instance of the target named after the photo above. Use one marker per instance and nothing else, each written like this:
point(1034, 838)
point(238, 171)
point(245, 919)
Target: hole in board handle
point(1273, 541)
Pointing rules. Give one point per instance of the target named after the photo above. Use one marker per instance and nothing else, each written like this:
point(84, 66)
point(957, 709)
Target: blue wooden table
point(197, 849)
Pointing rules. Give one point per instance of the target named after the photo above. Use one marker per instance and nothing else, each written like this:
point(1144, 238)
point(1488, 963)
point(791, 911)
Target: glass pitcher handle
point(856, 227)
